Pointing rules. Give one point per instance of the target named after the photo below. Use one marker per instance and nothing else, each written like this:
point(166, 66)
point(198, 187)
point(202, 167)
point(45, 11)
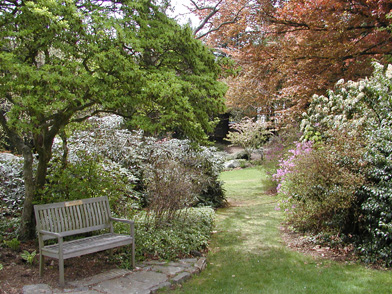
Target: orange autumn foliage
point(290, 50)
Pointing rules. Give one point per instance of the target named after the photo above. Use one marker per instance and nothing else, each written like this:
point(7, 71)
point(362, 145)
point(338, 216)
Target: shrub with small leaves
point(13, 244)
point(320, 193)
point(11, 184)
point(178, 238)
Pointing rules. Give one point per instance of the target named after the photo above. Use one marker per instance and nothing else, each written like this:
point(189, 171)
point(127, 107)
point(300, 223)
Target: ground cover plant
point(249, 254)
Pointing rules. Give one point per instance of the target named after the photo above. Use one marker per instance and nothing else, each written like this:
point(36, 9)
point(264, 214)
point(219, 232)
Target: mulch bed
point(17, 273)
point(300, 243)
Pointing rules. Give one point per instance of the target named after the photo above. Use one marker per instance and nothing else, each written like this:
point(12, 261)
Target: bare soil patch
point(300, 243)
point(17, 273)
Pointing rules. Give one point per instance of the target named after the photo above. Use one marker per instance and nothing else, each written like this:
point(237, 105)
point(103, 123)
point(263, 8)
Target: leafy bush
point(249, 134)
point(136, 157)
point(11, 184)
point(3, 139)
point(178, 238)
point(361, 111)
point(9, 227)
point(102, 159)
point(213, 194)
point(376, 244)
point(13, 244)
point(161, 176)
point(90, 177)
point(320, 192)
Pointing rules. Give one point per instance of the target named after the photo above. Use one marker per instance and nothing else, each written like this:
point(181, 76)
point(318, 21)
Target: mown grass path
point(247, 254)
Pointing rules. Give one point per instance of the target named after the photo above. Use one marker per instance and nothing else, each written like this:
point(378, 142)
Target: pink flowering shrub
point(318, 190)
point(275, 149)
point(286, 165)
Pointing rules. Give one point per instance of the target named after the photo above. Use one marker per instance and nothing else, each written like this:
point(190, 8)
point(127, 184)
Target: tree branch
point(12, 135)
point(205, 21)
point(214, 10)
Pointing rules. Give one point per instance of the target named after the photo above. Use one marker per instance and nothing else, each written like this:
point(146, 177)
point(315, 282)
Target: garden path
point(248, 253)
point(147, 278)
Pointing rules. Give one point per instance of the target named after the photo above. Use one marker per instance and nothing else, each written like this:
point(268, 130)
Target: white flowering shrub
point(360, 112)
point(135, 172)
point(11, 184)
point(249, 134)
point(105, 159)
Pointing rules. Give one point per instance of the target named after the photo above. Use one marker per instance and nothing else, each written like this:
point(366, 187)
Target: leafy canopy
point(63, 60)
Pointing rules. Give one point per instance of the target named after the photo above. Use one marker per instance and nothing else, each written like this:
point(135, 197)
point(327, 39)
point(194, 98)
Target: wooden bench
point(64, 219)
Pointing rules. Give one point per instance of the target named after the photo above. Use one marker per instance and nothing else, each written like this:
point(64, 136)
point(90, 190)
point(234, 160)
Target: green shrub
point(102, 159)
point(13, 244)
point(362, 111)
point(213, 195)
point(176, 239)
point(90, 177)
point(321, 193)
point(376, 244)
point(9, 227)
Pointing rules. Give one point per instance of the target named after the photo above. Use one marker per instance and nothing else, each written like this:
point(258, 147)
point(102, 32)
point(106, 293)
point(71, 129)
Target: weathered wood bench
point(64, 219)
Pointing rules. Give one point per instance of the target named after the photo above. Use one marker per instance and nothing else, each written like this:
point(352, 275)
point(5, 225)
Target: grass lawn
point(247, 254)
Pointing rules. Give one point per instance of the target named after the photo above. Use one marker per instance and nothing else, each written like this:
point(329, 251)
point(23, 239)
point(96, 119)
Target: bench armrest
point(127, 221)
point(122, 220)
point(57, 235)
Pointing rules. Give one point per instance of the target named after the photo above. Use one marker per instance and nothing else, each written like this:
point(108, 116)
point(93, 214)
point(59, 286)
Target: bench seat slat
point(88, 245)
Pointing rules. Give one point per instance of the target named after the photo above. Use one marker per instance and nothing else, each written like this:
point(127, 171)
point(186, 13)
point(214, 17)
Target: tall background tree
point(289, 50)
point(63, 61)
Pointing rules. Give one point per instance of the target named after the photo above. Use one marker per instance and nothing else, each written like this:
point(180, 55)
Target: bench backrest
point(73, 217)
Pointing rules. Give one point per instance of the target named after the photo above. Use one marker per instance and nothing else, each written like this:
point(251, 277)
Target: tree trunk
point(43, 160)
point(64, 158)
point(27, 230)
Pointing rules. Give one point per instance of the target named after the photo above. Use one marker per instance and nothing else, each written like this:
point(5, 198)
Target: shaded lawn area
point(247, 254)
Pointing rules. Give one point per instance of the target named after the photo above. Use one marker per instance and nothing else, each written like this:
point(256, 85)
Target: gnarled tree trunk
point(27, 220)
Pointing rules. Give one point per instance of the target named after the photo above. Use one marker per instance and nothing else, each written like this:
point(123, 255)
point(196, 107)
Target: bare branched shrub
point(170, 187)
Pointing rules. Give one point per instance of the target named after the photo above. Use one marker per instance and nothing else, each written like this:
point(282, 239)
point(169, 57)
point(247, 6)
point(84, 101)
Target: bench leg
point(133, 254)
point(41, 264)
point(61, 272)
